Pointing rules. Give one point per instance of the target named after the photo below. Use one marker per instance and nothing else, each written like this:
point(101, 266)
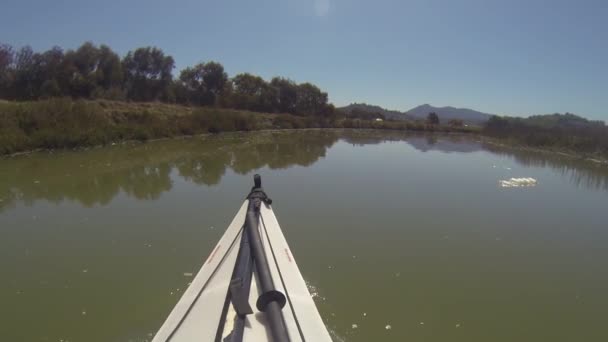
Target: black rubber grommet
point(269, 297)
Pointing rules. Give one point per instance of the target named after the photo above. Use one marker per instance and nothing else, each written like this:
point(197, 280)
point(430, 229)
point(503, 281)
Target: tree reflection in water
point(143, 171)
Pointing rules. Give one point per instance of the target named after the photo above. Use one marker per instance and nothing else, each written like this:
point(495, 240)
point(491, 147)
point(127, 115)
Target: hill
point(445, 114)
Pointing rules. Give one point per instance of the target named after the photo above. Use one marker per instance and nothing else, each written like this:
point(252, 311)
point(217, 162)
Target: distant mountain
point(447, 113)
point(371, 109)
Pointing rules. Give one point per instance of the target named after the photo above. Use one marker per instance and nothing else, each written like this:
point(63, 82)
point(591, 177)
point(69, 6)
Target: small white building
point(379, 120)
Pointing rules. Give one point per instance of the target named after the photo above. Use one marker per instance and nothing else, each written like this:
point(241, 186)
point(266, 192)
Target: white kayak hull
point(204, 312)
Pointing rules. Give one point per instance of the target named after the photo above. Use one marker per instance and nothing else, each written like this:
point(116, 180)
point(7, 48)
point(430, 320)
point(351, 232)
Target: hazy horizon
point(509, 58)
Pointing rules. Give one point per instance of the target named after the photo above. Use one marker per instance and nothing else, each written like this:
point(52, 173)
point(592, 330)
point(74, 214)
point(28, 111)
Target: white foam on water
point(335, 336)
point(518, 182)
point(314, 292)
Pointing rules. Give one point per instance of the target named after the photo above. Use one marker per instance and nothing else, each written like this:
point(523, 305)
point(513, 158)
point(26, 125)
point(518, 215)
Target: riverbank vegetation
point(558, 132)
point(67, 123)
point(92, 96)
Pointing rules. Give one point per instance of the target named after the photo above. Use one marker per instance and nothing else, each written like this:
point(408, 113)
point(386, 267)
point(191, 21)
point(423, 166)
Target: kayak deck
point(206, 311)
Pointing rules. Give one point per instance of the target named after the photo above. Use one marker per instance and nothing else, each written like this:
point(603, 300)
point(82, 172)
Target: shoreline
point(178, 137)
point(482, 138)
point(564, 153)
point(27, 127)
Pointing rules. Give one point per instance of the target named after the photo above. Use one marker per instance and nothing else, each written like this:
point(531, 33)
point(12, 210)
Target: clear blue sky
point(514, 57)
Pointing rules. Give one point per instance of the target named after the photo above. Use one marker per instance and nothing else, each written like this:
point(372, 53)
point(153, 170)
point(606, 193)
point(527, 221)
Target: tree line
point(146, 74)
point(561, 131)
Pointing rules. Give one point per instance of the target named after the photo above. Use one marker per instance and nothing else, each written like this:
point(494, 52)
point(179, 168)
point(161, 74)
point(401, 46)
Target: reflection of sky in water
point(426, 207)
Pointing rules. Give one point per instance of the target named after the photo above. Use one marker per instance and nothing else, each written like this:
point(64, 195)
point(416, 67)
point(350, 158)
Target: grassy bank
point(63, 123)
point(67, 123)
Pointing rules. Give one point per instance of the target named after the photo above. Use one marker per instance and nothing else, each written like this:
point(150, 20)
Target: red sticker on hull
point(287, 253)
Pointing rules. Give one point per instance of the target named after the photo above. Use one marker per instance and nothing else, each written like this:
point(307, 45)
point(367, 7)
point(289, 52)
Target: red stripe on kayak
point(287, 253)
point(213, 253)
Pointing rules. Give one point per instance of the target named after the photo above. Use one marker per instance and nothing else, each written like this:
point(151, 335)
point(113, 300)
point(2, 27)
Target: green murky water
point(391, 229)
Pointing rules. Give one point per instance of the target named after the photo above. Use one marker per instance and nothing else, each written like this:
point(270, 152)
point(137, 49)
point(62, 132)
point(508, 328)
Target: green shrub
point(287, 121)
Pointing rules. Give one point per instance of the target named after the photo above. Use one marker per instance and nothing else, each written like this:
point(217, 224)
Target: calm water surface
point(391, 229)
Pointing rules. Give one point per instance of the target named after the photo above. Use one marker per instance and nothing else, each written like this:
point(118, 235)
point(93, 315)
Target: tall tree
point(268, 100)
point(109, 71)
point(432, 119)
point(7, 70)
point(204, 82)
point(192, 82)
point(215, 78)
point(6, 57)
point(50, 72)
point(287, 94)
point(253, 93)
point(26, 84)
point(145, 74)
point(310, 100)
point(248, 84)
point(81, 70)
point(148, 74)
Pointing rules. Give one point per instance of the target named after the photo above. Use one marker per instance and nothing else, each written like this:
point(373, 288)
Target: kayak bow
point(250, 267)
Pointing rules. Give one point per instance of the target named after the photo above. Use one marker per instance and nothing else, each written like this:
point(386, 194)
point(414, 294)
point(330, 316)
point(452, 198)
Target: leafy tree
point(225, 99)
point(432, 119)
point(26, 84)
point(248, 84)
point(7, 70)
point(28, 75)
point(329, 110)
point(6, 57)
point(269, 99)
point(287, 94)
point(214, 77)
point(310, 100)
point(145, 74)
point(193, 85)
point(109, 71)
point(253, 93)
point(204, 82)
point(148, 74)
point(50, 68)
point(86, 72)
point(179, 92)
point(80, 71)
